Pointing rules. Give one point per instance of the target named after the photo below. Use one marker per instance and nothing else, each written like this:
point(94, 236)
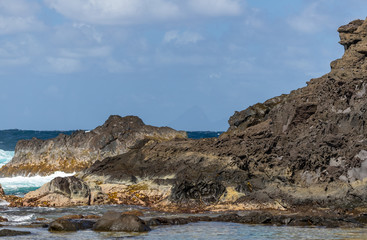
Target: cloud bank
point(125, 12)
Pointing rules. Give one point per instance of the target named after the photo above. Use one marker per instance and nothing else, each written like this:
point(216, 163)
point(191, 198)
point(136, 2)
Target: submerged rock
point(9, 233)
point(78, 151)
point(117, 222)
point(62, 225)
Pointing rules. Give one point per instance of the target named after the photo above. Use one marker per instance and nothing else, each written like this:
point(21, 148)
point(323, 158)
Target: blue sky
point(188, 64)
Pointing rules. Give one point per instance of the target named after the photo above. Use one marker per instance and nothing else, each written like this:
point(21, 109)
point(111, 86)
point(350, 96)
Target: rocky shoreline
point(299, 158)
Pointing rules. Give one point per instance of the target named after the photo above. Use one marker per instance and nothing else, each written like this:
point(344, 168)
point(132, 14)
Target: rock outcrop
point(306, 148)
point(78, 151)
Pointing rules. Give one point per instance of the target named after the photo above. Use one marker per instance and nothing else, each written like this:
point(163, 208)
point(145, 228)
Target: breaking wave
point(21, 185)
point(5, 157)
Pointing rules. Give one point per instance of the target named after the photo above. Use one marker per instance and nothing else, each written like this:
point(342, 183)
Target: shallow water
point(19, 217)
point(207, 230)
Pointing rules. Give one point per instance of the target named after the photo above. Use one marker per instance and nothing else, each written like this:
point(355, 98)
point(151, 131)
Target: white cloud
point(114, 66)
point(16, 61)
point(182, 38)
point(10, 25)
point(18, 16)
point(18, 7)
point(89, 31)
point(216, 7)
point(124, 12)
point(215, 75)
point(310, 20)
point(63, 65)
point(115, 12)
point(190, 60)
point(85, 52)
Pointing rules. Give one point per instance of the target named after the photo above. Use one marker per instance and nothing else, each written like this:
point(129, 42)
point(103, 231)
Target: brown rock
point(62, 225)
point(78, 151)
point(117, 222)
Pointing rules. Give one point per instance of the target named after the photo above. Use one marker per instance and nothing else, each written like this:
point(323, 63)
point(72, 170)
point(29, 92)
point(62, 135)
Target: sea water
point(21, 217)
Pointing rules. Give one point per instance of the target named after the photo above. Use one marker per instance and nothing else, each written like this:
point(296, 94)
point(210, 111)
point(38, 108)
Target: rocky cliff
point(308, 147)
point(80, 150)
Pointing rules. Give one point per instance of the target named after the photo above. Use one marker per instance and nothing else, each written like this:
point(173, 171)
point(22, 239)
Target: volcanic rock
point(62, 225)
point(60, 191)
point(306, 147)
point(8, 233)
point(2, 193)
point(117, 222)
point(78, 151)
point(303, 149)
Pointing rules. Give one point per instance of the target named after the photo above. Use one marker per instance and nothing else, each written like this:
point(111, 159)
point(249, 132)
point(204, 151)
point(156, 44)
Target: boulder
point(62, 225)
point(61, 191)
point(117, 222)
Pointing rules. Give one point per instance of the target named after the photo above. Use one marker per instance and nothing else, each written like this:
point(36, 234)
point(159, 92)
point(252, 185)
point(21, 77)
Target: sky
point(187, 64)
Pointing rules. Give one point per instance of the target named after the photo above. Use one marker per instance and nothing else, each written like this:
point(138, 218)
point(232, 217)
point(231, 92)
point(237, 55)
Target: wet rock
point(116, 222)
point(82, 224)
point(62, 225)
point(2, 219)
point(9, 233)
point(2, 193)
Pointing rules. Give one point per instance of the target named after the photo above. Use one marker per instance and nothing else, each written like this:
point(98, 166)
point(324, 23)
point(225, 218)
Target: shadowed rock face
point(307, 147)
point(73, 153)
point(304, 147)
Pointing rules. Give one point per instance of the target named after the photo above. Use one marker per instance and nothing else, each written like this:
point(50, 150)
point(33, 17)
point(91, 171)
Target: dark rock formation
point(73, 153)
point(9, 233)
point(322, 219)
point(2, 193)
point(307, 148)
point(62, 225)
point(117, 222)
point(70, 225)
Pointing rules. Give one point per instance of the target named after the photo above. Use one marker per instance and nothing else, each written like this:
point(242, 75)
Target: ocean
point(21, 217)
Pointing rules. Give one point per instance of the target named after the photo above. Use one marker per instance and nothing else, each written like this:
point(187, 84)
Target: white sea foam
point(15, 218)
point(3, 203)
point(5, 156)
point(14, 183)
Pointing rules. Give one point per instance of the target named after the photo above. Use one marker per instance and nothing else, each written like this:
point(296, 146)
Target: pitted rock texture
point(306, 147)
point(78, 151)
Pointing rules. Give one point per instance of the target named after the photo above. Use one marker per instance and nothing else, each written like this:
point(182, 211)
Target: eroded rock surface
point(306, 148)
point(78, 151)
